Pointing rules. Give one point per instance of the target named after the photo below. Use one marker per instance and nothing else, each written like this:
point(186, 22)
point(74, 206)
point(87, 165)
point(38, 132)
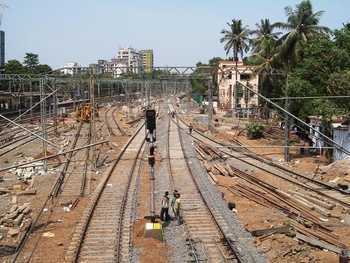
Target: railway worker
point(173, 199)
point(164, 213)
point(190, 128)
point(177, 209)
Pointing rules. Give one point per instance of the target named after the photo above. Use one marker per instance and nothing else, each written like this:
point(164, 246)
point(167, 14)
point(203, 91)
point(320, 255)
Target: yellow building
point(147, 60)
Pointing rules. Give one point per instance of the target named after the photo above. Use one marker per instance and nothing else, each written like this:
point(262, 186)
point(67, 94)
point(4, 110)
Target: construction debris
point(15, 216)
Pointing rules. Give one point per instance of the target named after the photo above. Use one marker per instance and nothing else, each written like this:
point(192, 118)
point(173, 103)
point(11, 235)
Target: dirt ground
point(278, 248)
point(282, 248)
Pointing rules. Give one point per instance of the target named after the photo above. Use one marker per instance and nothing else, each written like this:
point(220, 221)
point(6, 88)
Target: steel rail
point(53, 155)
point(279, 167)
point(99, 194)
point(233, 248)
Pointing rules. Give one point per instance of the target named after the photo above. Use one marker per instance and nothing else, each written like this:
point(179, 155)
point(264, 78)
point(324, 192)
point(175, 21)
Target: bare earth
point(278, 248)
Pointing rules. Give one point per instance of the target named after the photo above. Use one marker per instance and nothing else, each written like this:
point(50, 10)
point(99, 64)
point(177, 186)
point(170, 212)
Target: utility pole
point(93, 127)
point(210, 106)
point(286, 130)
point(43, 119)
point(55, 108)
point(286, 125)
point(2, 7)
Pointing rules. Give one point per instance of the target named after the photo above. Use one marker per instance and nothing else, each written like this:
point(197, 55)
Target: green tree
point(236, 38)
point(14, 67)
point(31, 61)
point(42, 68)
point(198, 80)
point(264, 53)
point(214, 62)
point(323, 71)
point(342, 37)
point(302, 24)
point(265, 38)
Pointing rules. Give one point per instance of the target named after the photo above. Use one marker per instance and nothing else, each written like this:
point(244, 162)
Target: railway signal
point(154, 228)
point(151, 118)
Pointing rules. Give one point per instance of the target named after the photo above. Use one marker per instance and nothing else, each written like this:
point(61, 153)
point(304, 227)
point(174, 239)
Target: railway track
point(260, 189)
point(209, 233)
point(200, 224)
point(104, 231)
point(236, 155)
point(74, 173)
point(73, 182)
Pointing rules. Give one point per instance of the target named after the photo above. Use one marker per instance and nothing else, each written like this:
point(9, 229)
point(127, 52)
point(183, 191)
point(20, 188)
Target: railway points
point(82, 201)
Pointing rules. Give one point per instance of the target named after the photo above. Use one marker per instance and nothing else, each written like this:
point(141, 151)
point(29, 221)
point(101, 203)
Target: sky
point(181, 33)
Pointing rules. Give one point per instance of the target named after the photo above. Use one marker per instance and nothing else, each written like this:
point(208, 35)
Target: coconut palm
point(264, 51)
point(237, 38)
point(302, 24)
point(265, 37)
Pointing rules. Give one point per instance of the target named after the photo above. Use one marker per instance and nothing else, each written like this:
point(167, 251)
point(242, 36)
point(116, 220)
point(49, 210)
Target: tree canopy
point(316, 63)
point(30, 65)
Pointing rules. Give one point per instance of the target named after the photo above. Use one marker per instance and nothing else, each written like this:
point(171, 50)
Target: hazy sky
point(181, 32)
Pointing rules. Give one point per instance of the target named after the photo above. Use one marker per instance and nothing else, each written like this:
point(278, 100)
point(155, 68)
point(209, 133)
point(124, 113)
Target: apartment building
point(146, 60)
point(233, 96)
point(132, 56)
point(129, 60)
point(72, 68)
point(115, 68)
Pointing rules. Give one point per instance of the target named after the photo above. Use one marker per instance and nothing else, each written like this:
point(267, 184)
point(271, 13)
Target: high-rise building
point(132, 56)
point(146, 60)
point(2, 49)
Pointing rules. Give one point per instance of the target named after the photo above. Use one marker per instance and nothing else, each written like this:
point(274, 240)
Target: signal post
point(154, 228)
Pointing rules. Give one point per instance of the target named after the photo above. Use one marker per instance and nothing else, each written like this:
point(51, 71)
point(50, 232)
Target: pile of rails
point(209, 155)
point(311, 219)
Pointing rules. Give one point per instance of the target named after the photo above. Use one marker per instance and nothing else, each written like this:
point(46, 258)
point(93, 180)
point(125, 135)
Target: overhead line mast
point(2, 7)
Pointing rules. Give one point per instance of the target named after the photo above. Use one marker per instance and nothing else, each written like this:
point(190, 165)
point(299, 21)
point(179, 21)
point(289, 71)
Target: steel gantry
point(171, 81)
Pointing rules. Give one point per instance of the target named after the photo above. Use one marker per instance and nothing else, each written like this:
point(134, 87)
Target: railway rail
point(104, 232)
point(209, 233)
point(305, 213)
point(228, 152)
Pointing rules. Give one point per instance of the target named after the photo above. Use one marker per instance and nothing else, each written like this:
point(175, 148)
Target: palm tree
point(264, 50)
point(302, 24)
point(265, 38)
point(236, 38)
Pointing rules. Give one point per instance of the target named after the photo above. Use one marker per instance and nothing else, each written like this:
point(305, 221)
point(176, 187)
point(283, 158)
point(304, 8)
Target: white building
point(72, 68)
point(132, 57)
point(129, 60)
point(115, 68)
point(231, 95)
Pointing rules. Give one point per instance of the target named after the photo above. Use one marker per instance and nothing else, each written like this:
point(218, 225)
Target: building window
point(245, 77)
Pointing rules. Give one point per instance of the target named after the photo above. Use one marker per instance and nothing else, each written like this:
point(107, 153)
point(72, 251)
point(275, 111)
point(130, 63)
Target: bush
point(254, 130)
